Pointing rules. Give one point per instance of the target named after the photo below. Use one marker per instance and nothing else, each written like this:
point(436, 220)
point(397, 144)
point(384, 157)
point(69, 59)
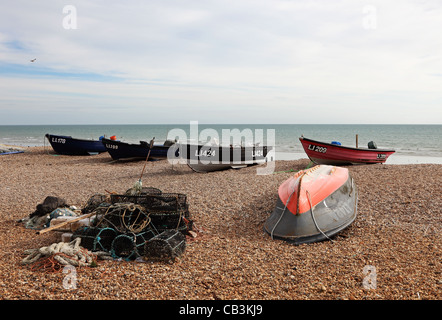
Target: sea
point(414, 144)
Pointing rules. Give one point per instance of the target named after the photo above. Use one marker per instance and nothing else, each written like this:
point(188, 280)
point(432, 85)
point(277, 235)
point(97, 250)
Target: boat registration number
point(58, 140)
point(205, 153)
point(317, 148)
point(381, 156)
point(111, 146)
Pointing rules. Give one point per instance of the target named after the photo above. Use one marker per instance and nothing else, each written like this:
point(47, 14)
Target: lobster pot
point(151, 191)
point(142, 238)
point(171, 220)
point(166, 246)
point(95, 202)
point(125, 217)
point(103, 240)
point(166, 210)
point(137, 199)
point(167, 202)
point(164, 202)
point(124, 247)
point(170, 211)
point(130, 246)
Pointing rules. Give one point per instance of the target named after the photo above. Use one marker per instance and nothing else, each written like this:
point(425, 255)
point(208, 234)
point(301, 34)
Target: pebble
point(232, 257)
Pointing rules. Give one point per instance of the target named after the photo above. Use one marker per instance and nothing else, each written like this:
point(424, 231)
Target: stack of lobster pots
point(151, 224)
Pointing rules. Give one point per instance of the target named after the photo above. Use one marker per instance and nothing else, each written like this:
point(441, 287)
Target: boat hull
point(331, 154)
point(119, 150)
point(66, 145)
point(318, 222)
point(207, 158)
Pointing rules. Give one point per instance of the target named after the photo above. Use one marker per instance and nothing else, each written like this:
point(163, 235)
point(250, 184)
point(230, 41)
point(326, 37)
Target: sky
point(220, 61)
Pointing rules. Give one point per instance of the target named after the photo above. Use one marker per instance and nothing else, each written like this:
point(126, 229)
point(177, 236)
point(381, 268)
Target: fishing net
point(166, 246)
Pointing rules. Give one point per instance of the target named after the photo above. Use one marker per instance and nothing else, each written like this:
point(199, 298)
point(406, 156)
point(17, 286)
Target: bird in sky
point(33, 60)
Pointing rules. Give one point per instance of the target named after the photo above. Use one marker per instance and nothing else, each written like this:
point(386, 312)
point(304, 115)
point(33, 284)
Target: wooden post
point(356, 140)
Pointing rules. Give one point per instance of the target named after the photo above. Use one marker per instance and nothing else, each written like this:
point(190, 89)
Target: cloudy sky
point(220, 61)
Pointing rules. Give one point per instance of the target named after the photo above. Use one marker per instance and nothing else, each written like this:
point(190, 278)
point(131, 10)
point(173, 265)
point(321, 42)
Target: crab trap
point(130, 246)
point(151, 224)
point(166, 210)
point(95, 202)
point(166, 246)
point(125, 217)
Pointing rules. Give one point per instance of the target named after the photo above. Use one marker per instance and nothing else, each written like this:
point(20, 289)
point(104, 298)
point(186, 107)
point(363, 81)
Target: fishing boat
point(213, 157)
point(120, 150)
point(336, 154)
point(313, 205)
point(66, 145)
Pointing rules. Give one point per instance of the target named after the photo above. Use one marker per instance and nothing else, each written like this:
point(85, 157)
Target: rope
point(132, 228)
point(131, 207)
point(288, 200)
point(313, 216)
point(60, 254)
point(282, 213)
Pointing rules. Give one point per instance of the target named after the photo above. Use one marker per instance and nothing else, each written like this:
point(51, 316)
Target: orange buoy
point(114, 138)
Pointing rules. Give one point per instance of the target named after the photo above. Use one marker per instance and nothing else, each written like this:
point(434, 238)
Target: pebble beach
point(395, 238)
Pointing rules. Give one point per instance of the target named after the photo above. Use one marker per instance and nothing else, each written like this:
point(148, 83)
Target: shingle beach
point(396, 236)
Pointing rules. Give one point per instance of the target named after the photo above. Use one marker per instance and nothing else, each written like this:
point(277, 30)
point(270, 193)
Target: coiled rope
point(142, 219)
point(60, 254)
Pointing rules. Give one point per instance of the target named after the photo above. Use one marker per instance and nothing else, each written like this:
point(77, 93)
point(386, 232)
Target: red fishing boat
point(313, 205)
point(336, 154)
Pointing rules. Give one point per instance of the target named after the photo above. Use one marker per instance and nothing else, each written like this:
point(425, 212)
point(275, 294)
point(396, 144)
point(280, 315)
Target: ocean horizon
point(414, 144)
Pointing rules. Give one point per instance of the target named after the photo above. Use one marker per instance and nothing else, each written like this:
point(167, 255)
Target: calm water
point(413, 143)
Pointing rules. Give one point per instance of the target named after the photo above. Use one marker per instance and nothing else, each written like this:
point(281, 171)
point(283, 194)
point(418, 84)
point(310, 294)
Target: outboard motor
point(372, 145)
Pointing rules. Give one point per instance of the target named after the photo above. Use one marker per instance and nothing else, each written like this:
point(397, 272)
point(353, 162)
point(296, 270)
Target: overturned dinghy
point(314, 205)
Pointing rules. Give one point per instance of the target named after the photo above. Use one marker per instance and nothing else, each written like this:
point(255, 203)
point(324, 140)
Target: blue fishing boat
point(120, 150)
point(66, 145)
point(10, 149)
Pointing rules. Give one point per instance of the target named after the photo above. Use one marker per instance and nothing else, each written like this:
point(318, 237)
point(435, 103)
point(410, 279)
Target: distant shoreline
point(395, 159)
point(414, 144)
